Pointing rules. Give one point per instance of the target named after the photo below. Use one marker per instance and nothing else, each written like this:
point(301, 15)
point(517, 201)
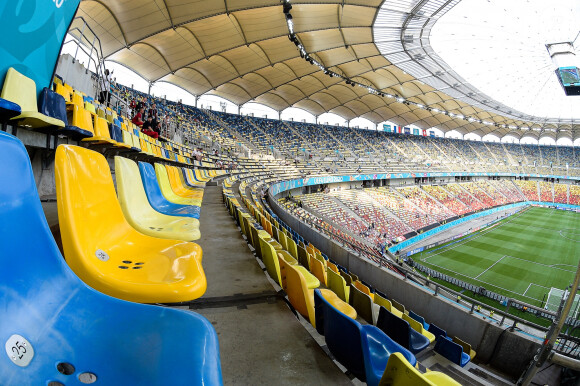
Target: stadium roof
point(240, 50)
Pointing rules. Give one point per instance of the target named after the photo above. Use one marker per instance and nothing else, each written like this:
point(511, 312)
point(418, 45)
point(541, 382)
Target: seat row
point(76, 320)
point(317, 291)
point(68, 112)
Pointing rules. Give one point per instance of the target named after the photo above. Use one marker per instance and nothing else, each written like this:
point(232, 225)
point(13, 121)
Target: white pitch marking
point(490, 267)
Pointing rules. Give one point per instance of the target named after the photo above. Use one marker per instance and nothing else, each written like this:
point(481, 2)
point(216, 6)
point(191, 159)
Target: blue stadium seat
point(363, 349)
point(400, 331)
point(8, 110)
point(156, 198)
point(452, 351)
point(116, 132)
point(419, 319)
point(438, 332)
point(53, 105)
point(60, 330)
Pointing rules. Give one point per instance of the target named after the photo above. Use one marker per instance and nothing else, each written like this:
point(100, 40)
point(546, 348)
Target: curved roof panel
point(240, 50)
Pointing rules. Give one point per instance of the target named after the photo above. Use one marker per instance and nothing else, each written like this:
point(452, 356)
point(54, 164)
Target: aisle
point(261, 341)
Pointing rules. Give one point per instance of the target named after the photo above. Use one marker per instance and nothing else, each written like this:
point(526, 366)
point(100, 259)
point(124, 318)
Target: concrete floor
point(261, 341)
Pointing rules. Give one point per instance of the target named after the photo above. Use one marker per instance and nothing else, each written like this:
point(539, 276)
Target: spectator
point(138, 118)
point(105, 94)
point(148, 128)
point(152, 112)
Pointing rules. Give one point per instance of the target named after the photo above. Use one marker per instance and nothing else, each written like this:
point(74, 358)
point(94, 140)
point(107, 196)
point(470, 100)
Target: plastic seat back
point(297, 291)
point(81, 118)
point(362, 303)
point(270, 259)
point(452, 351)
point(90, 107)
point(255, 240)
point(78, 326)
point(337, 284)
point(347, 278)
point(343, 337)
point(317, 268)
point(437, 331)
point(77, 100)
point(400, 372)
point(52, 104)
point(419, 319)
point(394, 327)
point(156, 198)
point(116, 133)
point(398, 306)
point(465, 346)
point(303, 257)
point(101, 128)
point(20, 89)
point(282, 238)
point(292, 248)
point(61, 90)
point(417, 326)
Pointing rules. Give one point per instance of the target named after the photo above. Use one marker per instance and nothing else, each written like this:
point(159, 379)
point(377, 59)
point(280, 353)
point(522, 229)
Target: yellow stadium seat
point(61, 90)
point(136, 143)
point(76, 100)
point(399, 372)
point(21, 90)
point(283, 240)
point(81, 118)
point(363, 288)
point(191, 178)
point(332, 266)
point(139, 212)
point(417, 326)
point(127, 139)
point(270, 258)
point(102, 135)
point(69, 89)
point(167, 190)
point(90, 108)
point(337, 284)
point(200, 176)
point(292, 247)
point(302, 298)
point(105, 251)
point(177, 172)
point(287, 257)
point(177, 183)
point(319, 270)
point(388, 305)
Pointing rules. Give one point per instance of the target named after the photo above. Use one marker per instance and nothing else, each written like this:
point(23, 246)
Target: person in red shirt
point(138, 118)
point(148, 128)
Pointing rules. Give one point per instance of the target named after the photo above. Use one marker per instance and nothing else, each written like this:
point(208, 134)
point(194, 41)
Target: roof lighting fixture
point(400, 100)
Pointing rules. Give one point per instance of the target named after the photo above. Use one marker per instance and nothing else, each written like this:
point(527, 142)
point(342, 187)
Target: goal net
point(555, 297)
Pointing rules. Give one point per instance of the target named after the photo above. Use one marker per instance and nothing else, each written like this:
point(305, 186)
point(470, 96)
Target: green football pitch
point(522, 257)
